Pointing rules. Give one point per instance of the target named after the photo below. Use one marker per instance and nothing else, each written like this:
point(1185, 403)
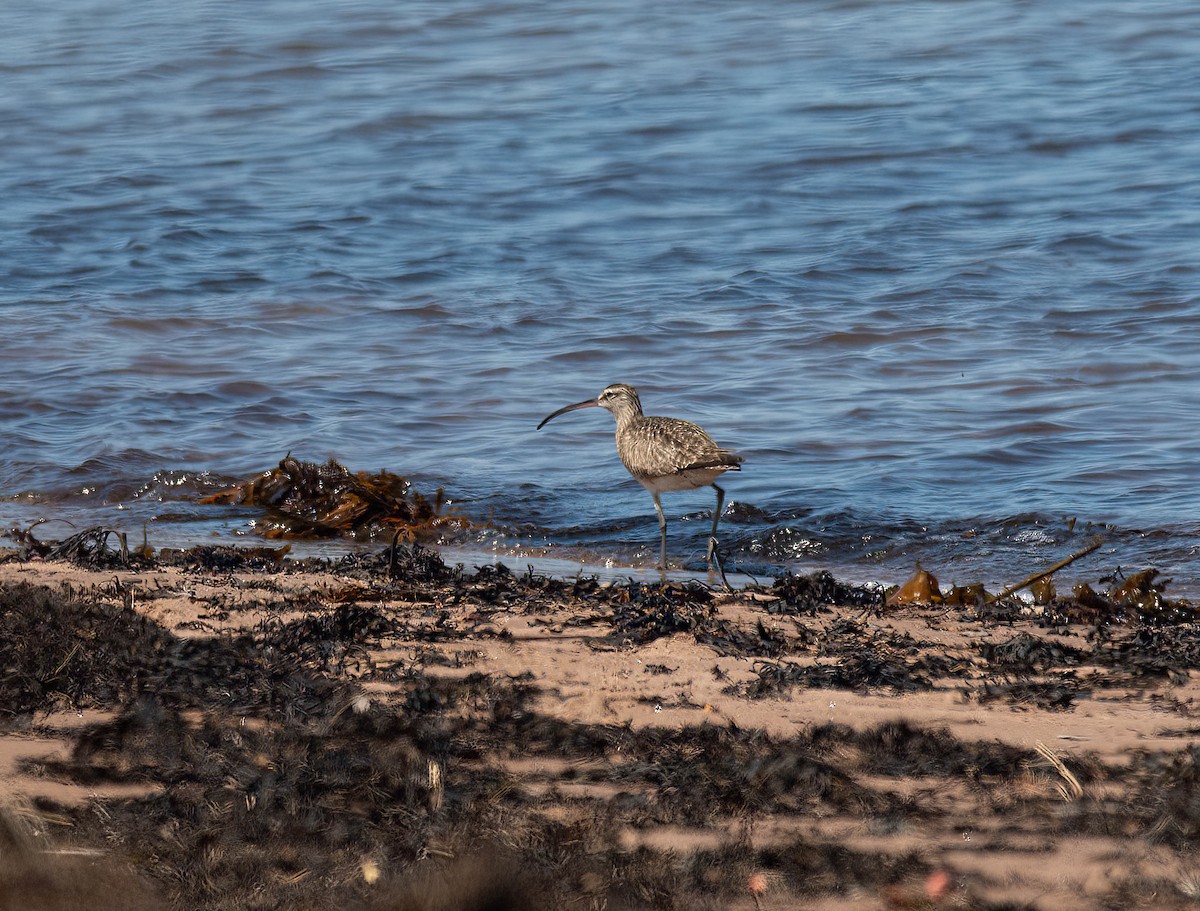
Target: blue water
point(931, 267)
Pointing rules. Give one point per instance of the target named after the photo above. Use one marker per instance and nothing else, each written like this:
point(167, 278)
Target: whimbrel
point(663, 454)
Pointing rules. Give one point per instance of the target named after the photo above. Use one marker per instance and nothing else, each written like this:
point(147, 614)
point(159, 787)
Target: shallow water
point(931, 268)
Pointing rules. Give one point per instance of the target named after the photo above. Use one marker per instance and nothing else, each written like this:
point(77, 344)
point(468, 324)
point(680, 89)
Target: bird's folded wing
point(729, 460)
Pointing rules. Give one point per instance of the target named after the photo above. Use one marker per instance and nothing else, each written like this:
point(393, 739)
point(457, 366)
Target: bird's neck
point(626, 418)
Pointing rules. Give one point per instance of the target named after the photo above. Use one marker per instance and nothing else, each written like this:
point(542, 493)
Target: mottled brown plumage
point(663, 454)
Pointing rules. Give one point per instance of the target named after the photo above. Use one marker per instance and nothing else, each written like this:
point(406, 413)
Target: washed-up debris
point(333, 641)
point(224, 558)
point(1136, 599)
point(819, 592)
point(1143, 592)
point(1166, 652)
point(1046, 573)
point(900, 747)
point(852, 655)
point(89, 548)
point(58, 653)
point(307, 500)
point(966, 595)
point(922, 589)
point(869, 669)
point(1059, 694)
point(408, 564)
point(93, 548)
point(280, 781)
point(643, 613)
point(1026, 652)
point(712, 769)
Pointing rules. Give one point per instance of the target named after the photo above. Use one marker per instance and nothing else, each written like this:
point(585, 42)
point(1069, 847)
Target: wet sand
point(363, 734)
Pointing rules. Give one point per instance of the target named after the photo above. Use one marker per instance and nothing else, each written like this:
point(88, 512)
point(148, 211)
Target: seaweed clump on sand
point(103, 548)
point(870, 669)
point(901, 748)
point(331, 642)
point(819, 592)
point(1137, 599)
point(1171, 800)
point(1025, 652)
point(643, 613)
point(59, 650)
point(1168, 653)
point(313, 500)
point(92, 548)
point(704, 774)
point(855, 657)
point(56, 651)
point(224, 558)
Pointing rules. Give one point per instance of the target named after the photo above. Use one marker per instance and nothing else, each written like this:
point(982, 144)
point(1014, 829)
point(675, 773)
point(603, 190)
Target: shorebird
point(663, 454)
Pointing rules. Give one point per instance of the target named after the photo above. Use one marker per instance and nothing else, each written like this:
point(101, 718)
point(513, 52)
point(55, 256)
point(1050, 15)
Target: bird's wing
point(683, 446)
point(730, 461)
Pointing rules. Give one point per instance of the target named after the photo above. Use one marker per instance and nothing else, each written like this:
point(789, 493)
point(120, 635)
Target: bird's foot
point(714, 562)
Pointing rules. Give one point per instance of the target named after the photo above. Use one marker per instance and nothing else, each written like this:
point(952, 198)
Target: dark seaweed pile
point(312, 499)
point(815, 593)
point(281, 783)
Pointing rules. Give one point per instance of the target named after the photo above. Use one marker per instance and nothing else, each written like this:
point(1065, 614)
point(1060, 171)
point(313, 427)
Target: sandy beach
point(230, 731)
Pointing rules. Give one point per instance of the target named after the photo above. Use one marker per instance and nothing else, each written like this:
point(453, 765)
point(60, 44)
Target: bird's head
point(620, 399)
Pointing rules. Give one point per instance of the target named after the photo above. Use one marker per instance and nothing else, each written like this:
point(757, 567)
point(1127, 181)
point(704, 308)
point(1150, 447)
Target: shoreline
point(633, 743)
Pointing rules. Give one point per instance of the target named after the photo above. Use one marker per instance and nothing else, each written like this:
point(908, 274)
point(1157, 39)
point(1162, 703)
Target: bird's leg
point(662, 530)
point(720, 570)
point(712, 539)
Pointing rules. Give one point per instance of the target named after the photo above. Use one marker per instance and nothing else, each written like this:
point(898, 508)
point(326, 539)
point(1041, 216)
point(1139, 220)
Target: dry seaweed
point(869, 668)
point(1172, 800)
point(1154, 652)
point(643, 613)
point(281, 784)
point(818, 592)
point(1058, 694)
point(56, 652)
point(331, 642)
point(899, 748)
point(1029, 653)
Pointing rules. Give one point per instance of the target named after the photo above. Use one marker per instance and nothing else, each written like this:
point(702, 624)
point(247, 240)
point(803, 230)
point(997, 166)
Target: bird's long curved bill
point(590, 403)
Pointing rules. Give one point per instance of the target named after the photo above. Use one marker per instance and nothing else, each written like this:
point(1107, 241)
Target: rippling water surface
point(931, 267)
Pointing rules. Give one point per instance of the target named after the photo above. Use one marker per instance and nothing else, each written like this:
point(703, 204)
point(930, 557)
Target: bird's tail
point(730, 461)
